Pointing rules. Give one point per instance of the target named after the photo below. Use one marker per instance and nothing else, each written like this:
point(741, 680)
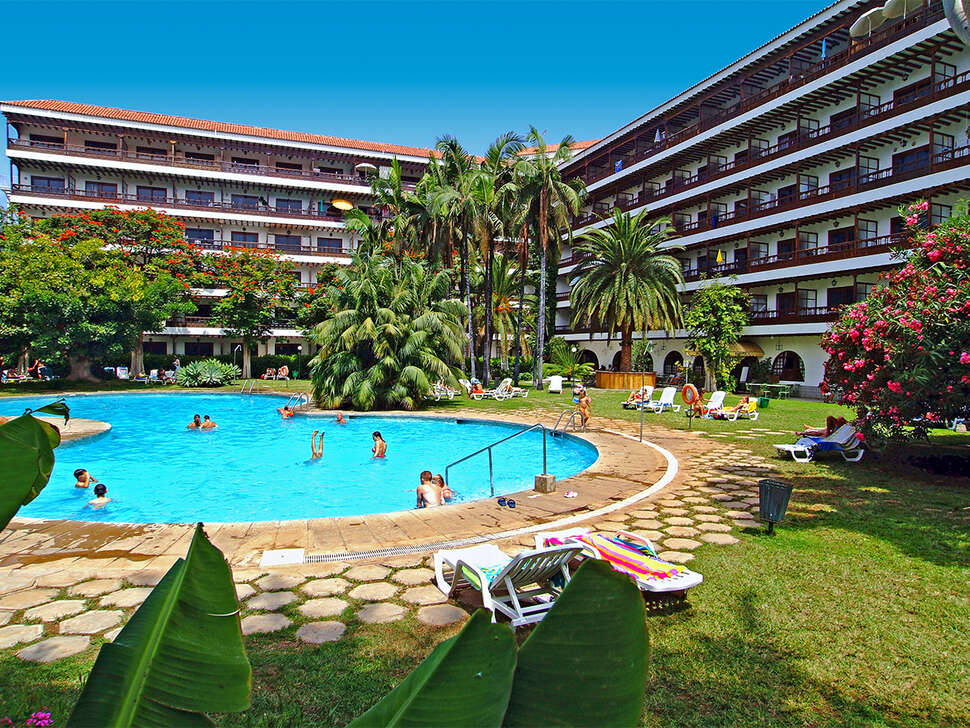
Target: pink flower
point(934, 255)
point(895, 387)
point(965, 358)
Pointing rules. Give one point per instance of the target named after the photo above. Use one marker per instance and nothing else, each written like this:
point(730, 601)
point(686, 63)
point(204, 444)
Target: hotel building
point(232, 185)
point(782, 173)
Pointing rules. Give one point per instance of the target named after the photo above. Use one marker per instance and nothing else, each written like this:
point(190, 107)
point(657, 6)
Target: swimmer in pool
point(317, 453)
point(100, 496)
point(196, 423)
point(208, 424)
point(340, 419)
point(380, 447)
point(429, 495)
point(439, 483)
point(83, 478)
point(285, 411)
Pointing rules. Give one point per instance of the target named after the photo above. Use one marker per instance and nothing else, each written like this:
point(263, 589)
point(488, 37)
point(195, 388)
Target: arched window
point(698, 366)
point(672, 361)
point(588, 357)
point(616, 361)
point(789, 367)
point(749, 362)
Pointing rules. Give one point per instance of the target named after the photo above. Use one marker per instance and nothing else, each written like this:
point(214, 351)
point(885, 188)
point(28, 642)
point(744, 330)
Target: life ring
point(284, 371)
point(689, 394)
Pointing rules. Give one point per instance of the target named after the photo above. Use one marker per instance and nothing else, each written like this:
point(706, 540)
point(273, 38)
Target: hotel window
point(807, 300)
point(944, 72)
point(245, 202)
point(841, 180)
point(786, 249)
point(289, 167)
point(286, 349)
point(298, 276)
point(939, 213)
point(868, 166)
point(329, 170)
point(786, 194)
point(943, 146)
point(914, 160)
point(244, 162)
point(46, 184)
point(101, 147)
point(807, 185)
point(866, 229)
point(199, 157)
point(100, 189)
point(330, 245)
point(757, 251)
point(243, 237)
point(151, 152)
point(758, 302)
point(198, 348)
point(868, 104)
point(155, 347)
point(786, 140)
point(840, 296)
point(842, 119)
point(198, 197)
point(862, 290)
point(288, 205)
point(840, 237)
point(151, 194)
point(200, 235)
point(45, 141)
point(912, 92)
point(807, 241)
point(287, 242)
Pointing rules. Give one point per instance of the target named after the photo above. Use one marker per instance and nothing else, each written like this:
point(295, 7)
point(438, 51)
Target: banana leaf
point(465, 681)
point(586, 661)
point(180, 655)
point(26, 458)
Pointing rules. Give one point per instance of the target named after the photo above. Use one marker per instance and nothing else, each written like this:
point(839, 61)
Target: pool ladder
point(488, 449)
point(249, 386)
point(571, 419)
point(298, 400)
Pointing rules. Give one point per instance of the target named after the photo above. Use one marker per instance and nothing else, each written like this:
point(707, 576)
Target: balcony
point(804, 315)
point(155, 202)
point(302, 249)
point(889, 33)
point(201, 322)
point(180, 160)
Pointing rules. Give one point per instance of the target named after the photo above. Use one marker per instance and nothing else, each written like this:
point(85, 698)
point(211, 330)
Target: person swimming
point(340, 419)
point(83, 478)
point(317, 453)
point(208, 424)
point(380, 447)
point(429, 495)
point(100, 496)
point(285, 411)
point(195, 424)
point(439, 482)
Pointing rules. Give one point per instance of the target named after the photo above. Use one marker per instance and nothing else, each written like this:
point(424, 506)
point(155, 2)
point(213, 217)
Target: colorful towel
point(626, 558)
point(491, 572)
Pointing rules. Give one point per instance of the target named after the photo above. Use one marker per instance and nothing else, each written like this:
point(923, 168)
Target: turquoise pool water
point(256, 466)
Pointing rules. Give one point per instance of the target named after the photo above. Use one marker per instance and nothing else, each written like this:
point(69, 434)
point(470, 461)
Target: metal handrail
point(572, 417)
point(488, 448)
point(299, 399)
point(570, 412)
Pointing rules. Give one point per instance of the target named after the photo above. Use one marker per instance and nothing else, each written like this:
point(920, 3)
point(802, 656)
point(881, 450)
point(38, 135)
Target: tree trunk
point(541, 326)
point(247, 367)
point(626, 349)
point(523, 269)
point(466, 282)
point(80, 369)
point(138, 356)
point(487, 343)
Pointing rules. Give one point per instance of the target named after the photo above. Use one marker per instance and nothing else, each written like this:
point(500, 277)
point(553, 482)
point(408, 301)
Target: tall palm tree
point(627, 282)
point(507, 304)
point(552, 203)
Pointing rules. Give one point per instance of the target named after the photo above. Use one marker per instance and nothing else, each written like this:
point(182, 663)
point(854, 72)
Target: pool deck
point(625, 467)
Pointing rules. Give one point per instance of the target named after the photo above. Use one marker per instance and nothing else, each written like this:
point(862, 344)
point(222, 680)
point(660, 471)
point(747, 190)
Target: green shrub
point(206, 373)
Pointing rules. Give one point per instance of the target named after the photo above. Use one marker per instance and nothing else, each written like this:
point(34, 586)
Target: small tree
point(901, 357)
point(716, 316)
point(258, 283)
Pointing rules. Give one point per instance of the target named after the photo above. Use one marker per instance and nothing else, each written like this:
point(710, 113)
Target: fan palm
point(627, 282)
point(396, 330)
point(551, 204)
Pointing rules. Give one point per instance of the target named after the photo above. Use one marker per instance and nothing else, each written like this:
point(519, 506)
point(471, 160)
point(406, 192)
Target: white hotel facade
point(782, 173)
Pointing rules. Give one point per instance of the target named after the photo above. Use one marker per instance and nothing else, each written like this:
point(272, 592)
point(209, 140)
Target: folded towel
point(624, 556)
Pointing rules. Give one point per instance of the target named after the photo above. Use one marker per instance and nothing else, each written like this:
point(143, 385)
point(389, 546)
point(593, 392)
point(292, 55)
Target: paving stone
point(244, 591)
point(403, 562)
point(376, 592)
point(95, 588)
point(650, 534)
point(5, 617)
point(318, 632)
point(681, 544)
point(264, 623)
point(27, 598)
point(276, 582)
point(671, 502)
point(706, 509)
point(413, 577)
point(326, 568)
point(722, 539)
point(651, 523)
point(54, 648)
point(735, 504)
point(145, 578)
point(325, 587)
point(722, 497)
point(369, 572)
point(92, 622)
point(674, 511)
point(52, 611)
point(679, 521)
point(126, 597)
point(714, 527)
point(738, 514)
point(695, 499)
point(745, 523)
point(424, 595)
point(241, 575)
point(111, 634)
point(326, 607)
point(441, 615)
point(681, 531)
point(59, 579)
point(676, 557)
point(14, 634)
point(270, 601)
point(381, 613)
point(707, 518)
point(708, 489)
point(644, 513)
point(10, 584)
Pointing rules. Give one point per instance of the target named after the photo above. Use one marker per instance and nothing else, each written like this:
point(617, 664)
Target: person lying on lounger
point(832, 423)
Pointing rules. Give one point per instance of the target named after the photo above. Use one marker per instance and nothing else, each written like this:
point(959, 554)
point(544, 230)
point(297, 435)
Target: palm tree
point(627, 282)
point(395, 331)
point(507, 304)
point(551, 203)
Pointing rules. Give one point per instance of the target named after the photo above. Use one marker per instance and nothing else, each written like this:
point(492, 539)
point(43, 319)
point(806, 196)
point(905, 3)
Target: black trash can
point(773, 500)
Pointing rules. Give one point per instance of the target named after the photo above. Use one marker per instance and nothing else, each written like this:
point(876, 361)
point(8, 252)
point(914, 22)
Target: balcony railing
point(801, 315)
point(859, 47)
point(209, 322)
point(302, 249)
point(180, 160)
point(861, 118)
point(215, 207)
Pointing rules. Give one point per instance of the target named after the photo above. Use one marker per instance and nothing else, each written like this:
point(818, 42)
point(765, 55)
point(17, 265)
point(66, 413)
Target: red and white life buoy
point(689, 394)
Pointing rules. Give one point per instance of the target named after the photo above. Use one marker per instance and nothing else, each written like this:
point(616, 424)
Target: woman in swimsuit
point(380, 447)
point(439, 483)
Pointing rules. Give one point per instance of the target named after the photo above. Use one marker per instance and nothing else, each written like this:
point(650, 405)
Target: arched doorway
point(672, 363)
point(788, 366)
point(751, 362)
point(588, 357)
point(616, 361)
point(697, 370)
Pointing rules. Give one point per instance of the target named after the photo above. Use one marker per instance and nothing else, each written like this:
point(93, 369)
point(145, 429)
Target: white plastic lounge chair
point(439, 391)
point(502, 391)
point(665, 402)
point(715, 404)
point(632, 554)
point(555, 384)
point(505, 581)
point(646, 392)
point(121, 372)
point(750, 412)
point(467, 385)
point(843, 441)
point(153, 377)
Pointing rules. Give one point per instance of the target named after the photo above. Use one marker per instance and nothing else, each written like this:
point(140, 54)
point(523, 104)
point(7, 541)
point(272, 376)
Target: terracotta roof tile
point(551, 148)
point(219, 126)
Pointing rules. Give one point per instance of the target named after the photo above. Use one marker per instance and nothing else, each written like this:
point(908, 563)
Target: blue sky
point(403, 72)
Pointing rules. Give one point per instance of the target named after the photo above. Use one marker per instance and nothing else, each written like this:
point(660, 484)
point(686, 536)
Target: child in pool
point(100, 496)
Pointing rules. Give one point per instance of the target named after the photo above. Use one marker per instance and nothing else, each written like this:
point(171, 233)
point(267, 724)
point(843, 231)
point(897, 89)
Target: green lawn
point(854, 614)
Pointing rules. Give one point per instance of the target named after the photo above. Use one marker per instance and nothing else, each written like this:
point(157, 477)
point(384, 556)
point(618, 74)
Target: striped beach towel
point(626, 558)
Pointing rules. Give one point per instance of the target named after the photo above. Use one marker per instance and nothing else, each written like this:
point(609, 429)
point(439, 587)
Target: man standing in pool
point(195, 424)
point(340, 419)
point(380, 447)
point(208, 424)
point(317, 453)
point(428, 493)
point(83, 478)
point(100, 496)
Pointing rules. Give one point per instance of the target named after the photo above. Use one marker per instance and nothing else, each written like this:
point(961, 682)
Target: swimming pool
point(257, 467)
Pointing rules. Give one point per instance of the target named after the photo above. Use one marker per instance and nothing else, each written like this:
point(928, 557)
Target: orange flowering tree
point(901, 357)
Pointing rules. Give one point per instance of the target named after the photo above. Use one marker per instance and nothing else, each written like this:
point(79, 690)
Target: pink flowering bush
point(901, 358)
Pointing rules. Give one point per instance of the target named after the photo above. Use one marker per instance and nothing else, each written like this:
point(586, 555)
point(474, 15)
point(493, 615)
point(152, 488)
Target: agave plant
point(207, 373)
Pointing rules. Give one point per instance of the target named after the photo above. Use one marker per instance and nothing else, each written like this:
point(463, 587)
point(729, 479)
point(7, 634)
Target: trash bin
point(773, 497)
point(763, 402)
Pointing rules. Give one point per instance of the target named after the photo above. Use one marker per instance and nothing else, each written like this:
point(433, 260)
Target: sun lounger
point(665, 402)
point(735, 413)
point(506, 582)
point(440, 391)
point(714, 405)
point(646, 392)
point(629, 554)
point(844, 441)
point(502, 391)
point(121, 372)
